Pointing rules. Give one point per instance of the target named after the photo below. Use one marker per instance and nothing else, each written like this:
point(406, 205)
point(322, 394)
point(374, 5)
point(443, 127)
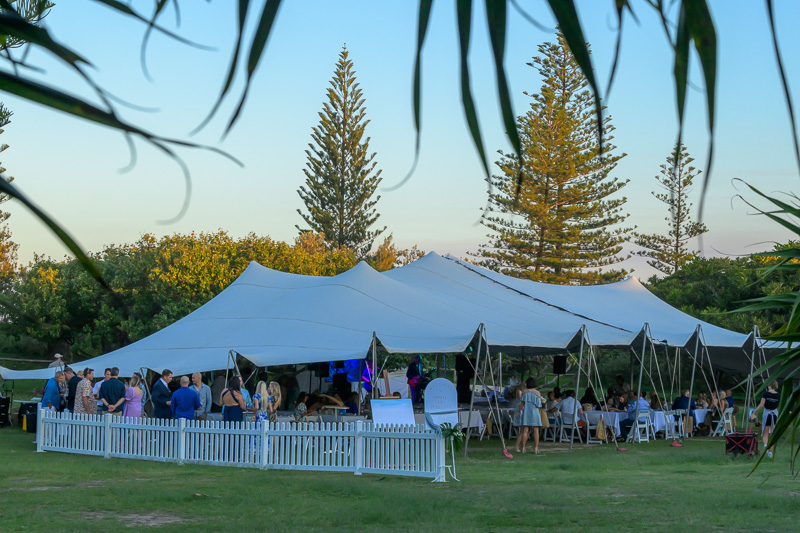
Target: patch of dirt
point(85, 485)
point(29, 489)
point(140, 520)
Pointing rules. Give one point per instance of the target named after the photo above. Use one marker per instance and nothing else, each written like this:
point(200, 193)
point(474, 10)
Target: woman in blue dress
point(527, 416)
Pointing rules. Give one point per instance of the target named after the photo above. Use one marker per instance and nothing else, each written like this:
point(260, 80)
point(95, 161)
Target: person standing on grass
point(112, 393)
point(161, 396)
point(769, 402)
point(232, 401)
point(134, 397)
point(527, 417)
point(96, 389)
point(204, 393)
point(72, 387)
point(85, 403)
point(185, 401)
point(643, 407)
point(58, 362)
point(52, 396)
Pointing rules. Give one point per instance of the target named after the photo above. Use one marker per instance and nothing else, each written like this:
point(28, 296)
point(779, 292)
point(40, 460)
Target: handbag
point(600, 432)
point(543, 416)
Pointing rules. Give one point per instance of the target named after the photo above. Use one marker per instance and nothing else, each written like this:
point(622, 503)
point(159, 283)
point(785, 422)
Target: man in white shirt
point(96, 391)
point(570, 409)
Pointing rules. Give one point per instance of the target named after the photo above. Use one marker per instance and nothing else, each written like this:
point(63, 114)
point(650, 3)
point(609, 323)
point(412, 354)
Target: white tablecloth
point(700, 414)
point(659, 420)
point(612, 420)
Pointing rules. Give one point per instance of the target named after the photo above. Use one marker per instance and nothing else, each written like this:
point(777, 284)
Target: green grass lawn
point(652, 487)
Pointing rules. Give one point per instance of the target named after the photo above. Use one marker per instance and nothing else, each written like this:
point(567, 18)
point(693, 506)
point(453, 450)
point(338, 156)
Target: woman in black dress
point(769, 402)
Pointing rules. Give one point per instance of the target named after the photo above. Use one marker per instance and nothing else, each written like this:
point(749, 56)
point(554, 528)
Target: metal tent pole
point(577, 388)
point(360, 381)
point(474, 378)
point(500, 371)
point(691, 382)
point(374, 377)
point(646, 330)
point(749, 389)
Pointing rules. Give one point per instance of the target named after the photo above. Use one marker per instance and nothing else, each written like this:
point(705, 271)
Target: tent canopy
point(434, 305)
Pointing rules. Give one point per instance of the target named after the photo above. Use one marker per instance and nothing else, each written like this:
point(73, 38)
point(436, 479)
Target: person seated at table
point(702, 400)
point(686, 403)
point(713, 416)
point(611, 404)
point(569, 408)
point(590, 398)
point(352, 404)
point(551, 406)
point(655, 401)
point(317, 401)
point(622, 402)
point(644, 407)
point(729, 399)
point(300, 408)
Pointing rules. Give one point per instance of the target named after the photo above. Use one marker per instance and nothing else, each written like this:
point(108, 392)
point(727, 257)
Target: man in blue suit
point(162, 396)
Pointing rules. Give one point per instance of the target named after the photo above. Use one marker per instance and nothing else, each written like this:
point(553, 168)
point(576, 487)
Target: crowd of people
point(76, 392)
point(530, 408)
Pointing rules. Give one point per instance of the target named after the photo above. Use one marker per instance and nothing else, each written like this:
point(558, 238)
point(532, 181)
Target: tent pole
point(373, 377)
point(749, 389)
point(500, 371)
point(638, 392)
point(496, 413)
point(474, 378)
point(577, 388)
point(630, 365)
point(360, 374)
point(691, 382)
point(227, 366)
point(143, 372)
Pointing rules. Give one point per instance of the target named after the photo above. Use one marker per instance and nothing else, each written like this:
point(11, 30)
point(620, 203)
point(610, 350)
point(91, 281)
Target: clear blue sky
point(71, 168)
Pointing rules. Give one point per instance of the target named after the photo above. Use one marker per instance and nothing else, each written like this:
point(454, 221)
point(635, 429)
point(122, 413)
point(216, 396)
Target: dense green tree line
point(54, 305)
point(714, 289)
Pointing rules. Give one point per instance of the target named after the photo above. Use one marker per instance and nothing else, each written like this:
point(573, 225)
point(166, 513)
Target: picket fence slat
point(358, 447)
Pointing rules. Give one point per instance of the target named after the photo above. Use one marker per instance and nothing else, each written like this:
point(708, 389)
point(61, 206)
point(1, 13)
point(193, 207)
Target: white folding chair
point(725, 423)
point(592, 419)
point(641, 428)
point(551, 434)
point(671, 422)
point(680, 421)
point(566, 432)
point(513, 430)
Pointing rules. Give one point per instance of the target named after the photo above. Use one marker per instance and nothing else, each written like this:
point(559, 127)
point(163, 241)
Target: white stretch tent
point(434, 305)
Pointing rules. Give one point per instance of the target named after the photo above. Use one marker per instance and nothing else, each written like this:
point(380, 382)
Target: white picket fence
point(358, 447)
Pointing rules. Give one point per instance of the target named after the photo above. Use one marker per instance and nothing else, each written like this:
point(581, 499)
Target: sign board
point(394, 412)
point(441, 402)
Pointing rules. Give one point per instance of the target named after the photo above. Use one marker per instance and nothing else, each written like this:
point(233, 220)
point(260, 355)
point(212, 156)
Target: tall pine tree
point(563, 226)
point(341, 178)
point(668, 253)
point(8, 248)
